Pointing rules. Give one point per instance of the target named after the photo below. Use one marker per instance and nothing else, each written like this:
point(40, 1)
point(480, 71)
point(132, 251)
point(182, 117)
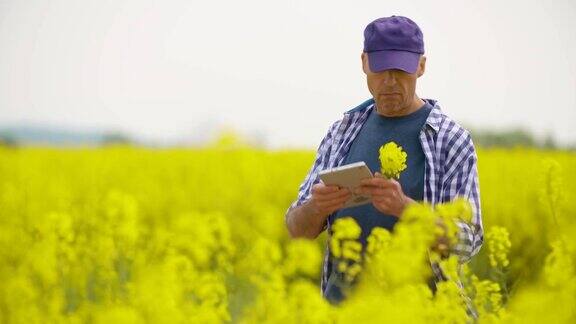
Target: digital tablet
point(348, 176)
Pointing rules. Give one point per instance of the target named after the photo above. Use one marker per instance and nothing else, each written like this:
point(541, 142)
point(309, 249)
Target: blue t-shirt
point(377, 131)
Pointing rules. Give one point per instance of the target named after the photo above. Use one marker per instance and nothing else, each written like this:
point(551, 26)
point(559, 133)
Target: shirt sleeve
point(463, 182)
point(320, 163)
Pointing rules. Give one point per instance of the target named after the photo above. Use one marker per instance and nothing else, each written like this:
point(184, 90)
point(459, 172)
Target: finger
point(333, 195)
point(381, 206)
point(322, 188)
point(379, 182)
point(389, 185)
point(366, 190)
point(392, 183)
point(386, 201)
point(377, 191)
point(389, 193)
point(386, 192)
point(370, 181)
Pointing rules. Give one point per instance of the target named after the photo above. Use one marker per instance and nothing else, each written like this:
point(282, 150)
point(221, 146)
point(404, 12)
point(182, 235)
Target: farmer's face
point(394, 91)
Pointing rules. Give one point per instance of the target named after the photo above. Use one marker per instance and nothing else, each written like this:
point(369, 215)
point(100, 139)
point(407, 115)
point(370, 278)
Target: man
point(441, 164)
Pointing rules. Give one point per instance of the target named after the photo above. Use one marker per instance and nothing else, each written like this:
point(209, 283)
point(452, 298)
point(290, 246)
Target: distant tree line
point(113, 138)
point(512, 138)
point(109, 138)
point(483, 138)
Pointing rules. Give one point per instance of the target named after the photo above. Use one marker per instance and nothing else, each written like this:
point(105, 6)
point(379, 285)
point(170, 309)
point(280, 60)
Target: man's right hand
point(328, 199)
point(308, 219)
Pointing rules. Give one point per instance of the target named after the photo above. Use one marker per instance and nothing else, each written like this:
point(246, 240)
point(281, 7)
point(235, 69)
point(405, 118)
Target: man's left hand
point(387, 195)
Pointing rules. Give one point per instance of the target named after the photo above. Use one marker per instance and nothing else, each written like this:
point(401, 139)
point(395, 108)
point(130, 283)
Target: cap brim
point(392, 59)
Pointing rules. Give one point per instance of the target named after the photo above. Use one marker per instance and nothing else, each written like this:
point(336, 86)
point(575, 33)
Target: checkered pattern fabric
point(451, 170)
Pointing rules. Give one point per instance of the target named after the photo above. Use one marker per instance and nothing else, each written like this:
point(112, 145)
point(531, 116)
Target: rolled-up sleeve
point(463, 182)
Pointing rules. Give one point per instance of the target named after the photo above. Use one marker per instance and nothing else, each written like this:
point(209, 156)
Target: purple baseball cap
point(394, 42)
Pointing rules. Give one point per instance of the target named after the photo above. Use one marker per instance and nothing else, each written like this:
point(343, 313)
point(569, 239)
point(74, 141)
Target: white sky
point(171, 70)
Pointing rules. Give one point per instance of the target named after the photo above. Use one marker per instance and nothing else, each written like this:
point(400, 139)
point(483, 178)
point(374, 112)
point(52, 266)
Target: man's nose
point(388, 78)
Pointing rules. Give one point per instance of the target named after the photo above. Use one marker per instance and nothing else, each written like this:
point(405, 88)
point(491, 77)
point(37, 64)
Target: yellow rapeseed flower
point(392, 160)
point(498, 246)
point(345, 247)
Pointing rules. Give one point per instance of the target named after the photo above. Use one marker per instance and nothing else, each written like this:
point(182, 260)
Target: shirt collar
point(433, 120)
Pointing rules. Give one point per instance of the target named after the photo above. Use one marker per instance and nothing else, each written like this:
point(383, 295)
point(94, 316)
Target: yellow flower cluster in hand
point(498, 246)
point(392, 160)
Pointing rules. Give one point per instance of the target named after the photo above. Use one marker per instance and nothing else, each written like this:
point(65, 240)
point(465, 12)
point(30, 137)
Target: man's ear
point(364, 58)
point(421, 66)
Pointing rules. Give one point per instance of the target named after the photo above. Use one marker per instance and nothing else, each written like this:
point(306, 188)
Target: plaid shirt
point(450, 171)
